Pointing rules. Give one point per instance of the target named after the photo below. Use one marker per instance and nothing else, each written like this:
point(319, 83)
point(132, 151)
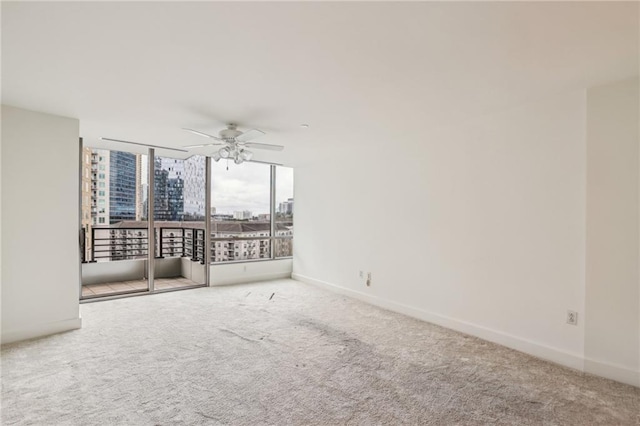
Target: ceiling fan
point(235, 143)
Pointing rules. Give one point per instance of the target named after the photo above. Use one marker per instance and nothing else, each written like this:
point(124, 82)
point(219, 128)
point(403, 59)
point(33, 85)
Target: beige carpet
point(281, 353)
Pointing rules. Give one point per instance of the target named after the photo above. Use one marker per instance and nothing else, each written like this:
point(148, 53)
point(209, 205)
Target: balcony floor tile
point(108, 289)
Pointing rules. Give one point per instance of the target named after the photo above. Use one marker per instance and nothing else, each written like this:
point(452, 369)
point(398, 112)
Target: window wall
point(241, 212)
point(145, 219)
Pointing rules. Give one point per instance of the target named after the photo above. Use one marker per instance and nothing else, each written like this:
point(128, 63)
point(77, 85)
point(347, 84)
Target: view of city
point(115, 195)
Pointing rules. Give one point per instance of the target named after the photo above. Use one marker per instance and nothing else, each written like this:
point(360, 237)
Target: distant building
point(141, 212)
point(222, 216)
point(213, 211)
point(112, 186)
point(100, 179)
point(144, 195)
point(122, 186)
point(85, 189)
point(242, 215)
point(86, 200)
point(168, 189)
point(259, 248)
point(264, 216)
point(194, 188)
point(286, 207)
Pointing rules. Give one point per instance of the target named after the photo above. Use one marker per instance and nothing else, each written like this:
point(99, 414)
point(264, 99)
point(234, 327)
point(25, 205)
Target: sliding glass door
point(179, 221)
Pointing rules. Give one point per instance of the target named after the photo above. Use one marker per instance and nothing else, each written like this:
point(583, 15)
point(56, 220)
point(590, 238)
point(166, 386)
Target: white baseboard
point(611, 371)
point(249, 278)
point(538, 350)
point(40, 330)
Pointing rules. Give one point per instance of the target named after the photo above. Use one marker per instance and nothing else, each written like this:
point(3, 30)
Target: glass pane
point(240, 208)
point(115, 240)
point(179, 189)
point(284, 212)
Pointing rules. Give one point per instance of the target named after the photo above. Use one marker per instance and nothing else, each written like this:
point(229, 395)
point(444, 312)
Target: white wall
point(244, 272)
point(612, 333)
point(479, 227)
point(40, 254)
point(495, 228)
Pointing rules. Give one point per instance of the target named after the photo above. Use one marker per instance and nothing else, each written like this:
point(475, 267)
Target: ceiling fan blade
point(250, 135)
point(144, 144)
point(264, 146)
point(206, 135)
point(264, 162)
point(201, 145)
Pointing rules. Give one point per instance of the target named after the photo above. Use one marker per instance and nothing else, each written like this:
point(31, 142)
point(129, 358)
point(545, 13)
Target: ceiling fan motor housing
point(231, 132)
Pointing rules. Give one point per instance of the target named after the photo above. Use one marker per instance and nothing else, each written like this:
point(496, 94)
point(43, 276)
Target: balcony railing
point(182, 242)
point(112, 244)
point(109, 244)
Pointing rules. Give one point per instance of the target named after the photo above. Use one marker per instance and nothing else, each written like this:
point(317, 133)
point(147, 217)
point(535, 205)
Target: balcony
point(115, 259)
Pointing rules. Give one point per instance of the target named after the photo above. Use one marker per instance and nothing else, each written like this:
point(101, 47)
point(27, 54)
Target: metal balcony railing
point(112, 244)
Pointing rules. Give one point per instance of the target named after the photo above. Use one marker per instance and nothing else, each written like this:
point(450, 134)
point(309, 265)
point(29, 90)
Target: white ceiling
point(358, 73)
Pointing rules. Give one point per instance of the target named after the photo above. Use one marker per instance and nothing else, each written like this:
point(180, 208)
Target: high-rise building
point(100, 178)
point(85, 188)
point(85, 200)
point(144, 191)
point(168, 189)
point(113, 182)
point(286, 207)
point(194, 187)
point(141, 212)
point(122, 186)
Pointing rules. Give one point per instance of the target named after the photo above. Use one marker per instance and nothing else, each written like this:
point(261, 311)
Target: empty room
point(320, 213)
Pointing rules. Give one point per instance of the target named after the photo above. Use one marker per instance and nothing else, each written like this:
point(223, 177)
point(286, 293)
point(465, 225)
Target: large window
point(251, 219)
point(240, 209)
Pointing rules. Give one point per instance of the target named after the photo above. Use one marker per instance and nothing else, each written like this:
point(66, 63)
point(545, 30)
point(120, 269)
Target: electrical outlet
point(368, 279)
point(572, 317)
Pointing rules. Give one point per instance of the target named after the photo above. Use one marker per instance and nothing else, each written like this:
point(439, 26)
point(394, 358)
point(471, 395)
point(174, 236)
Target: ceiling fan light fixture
point(216, 156)
point(224, 152)
point(246, 155)
point(238, 160)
